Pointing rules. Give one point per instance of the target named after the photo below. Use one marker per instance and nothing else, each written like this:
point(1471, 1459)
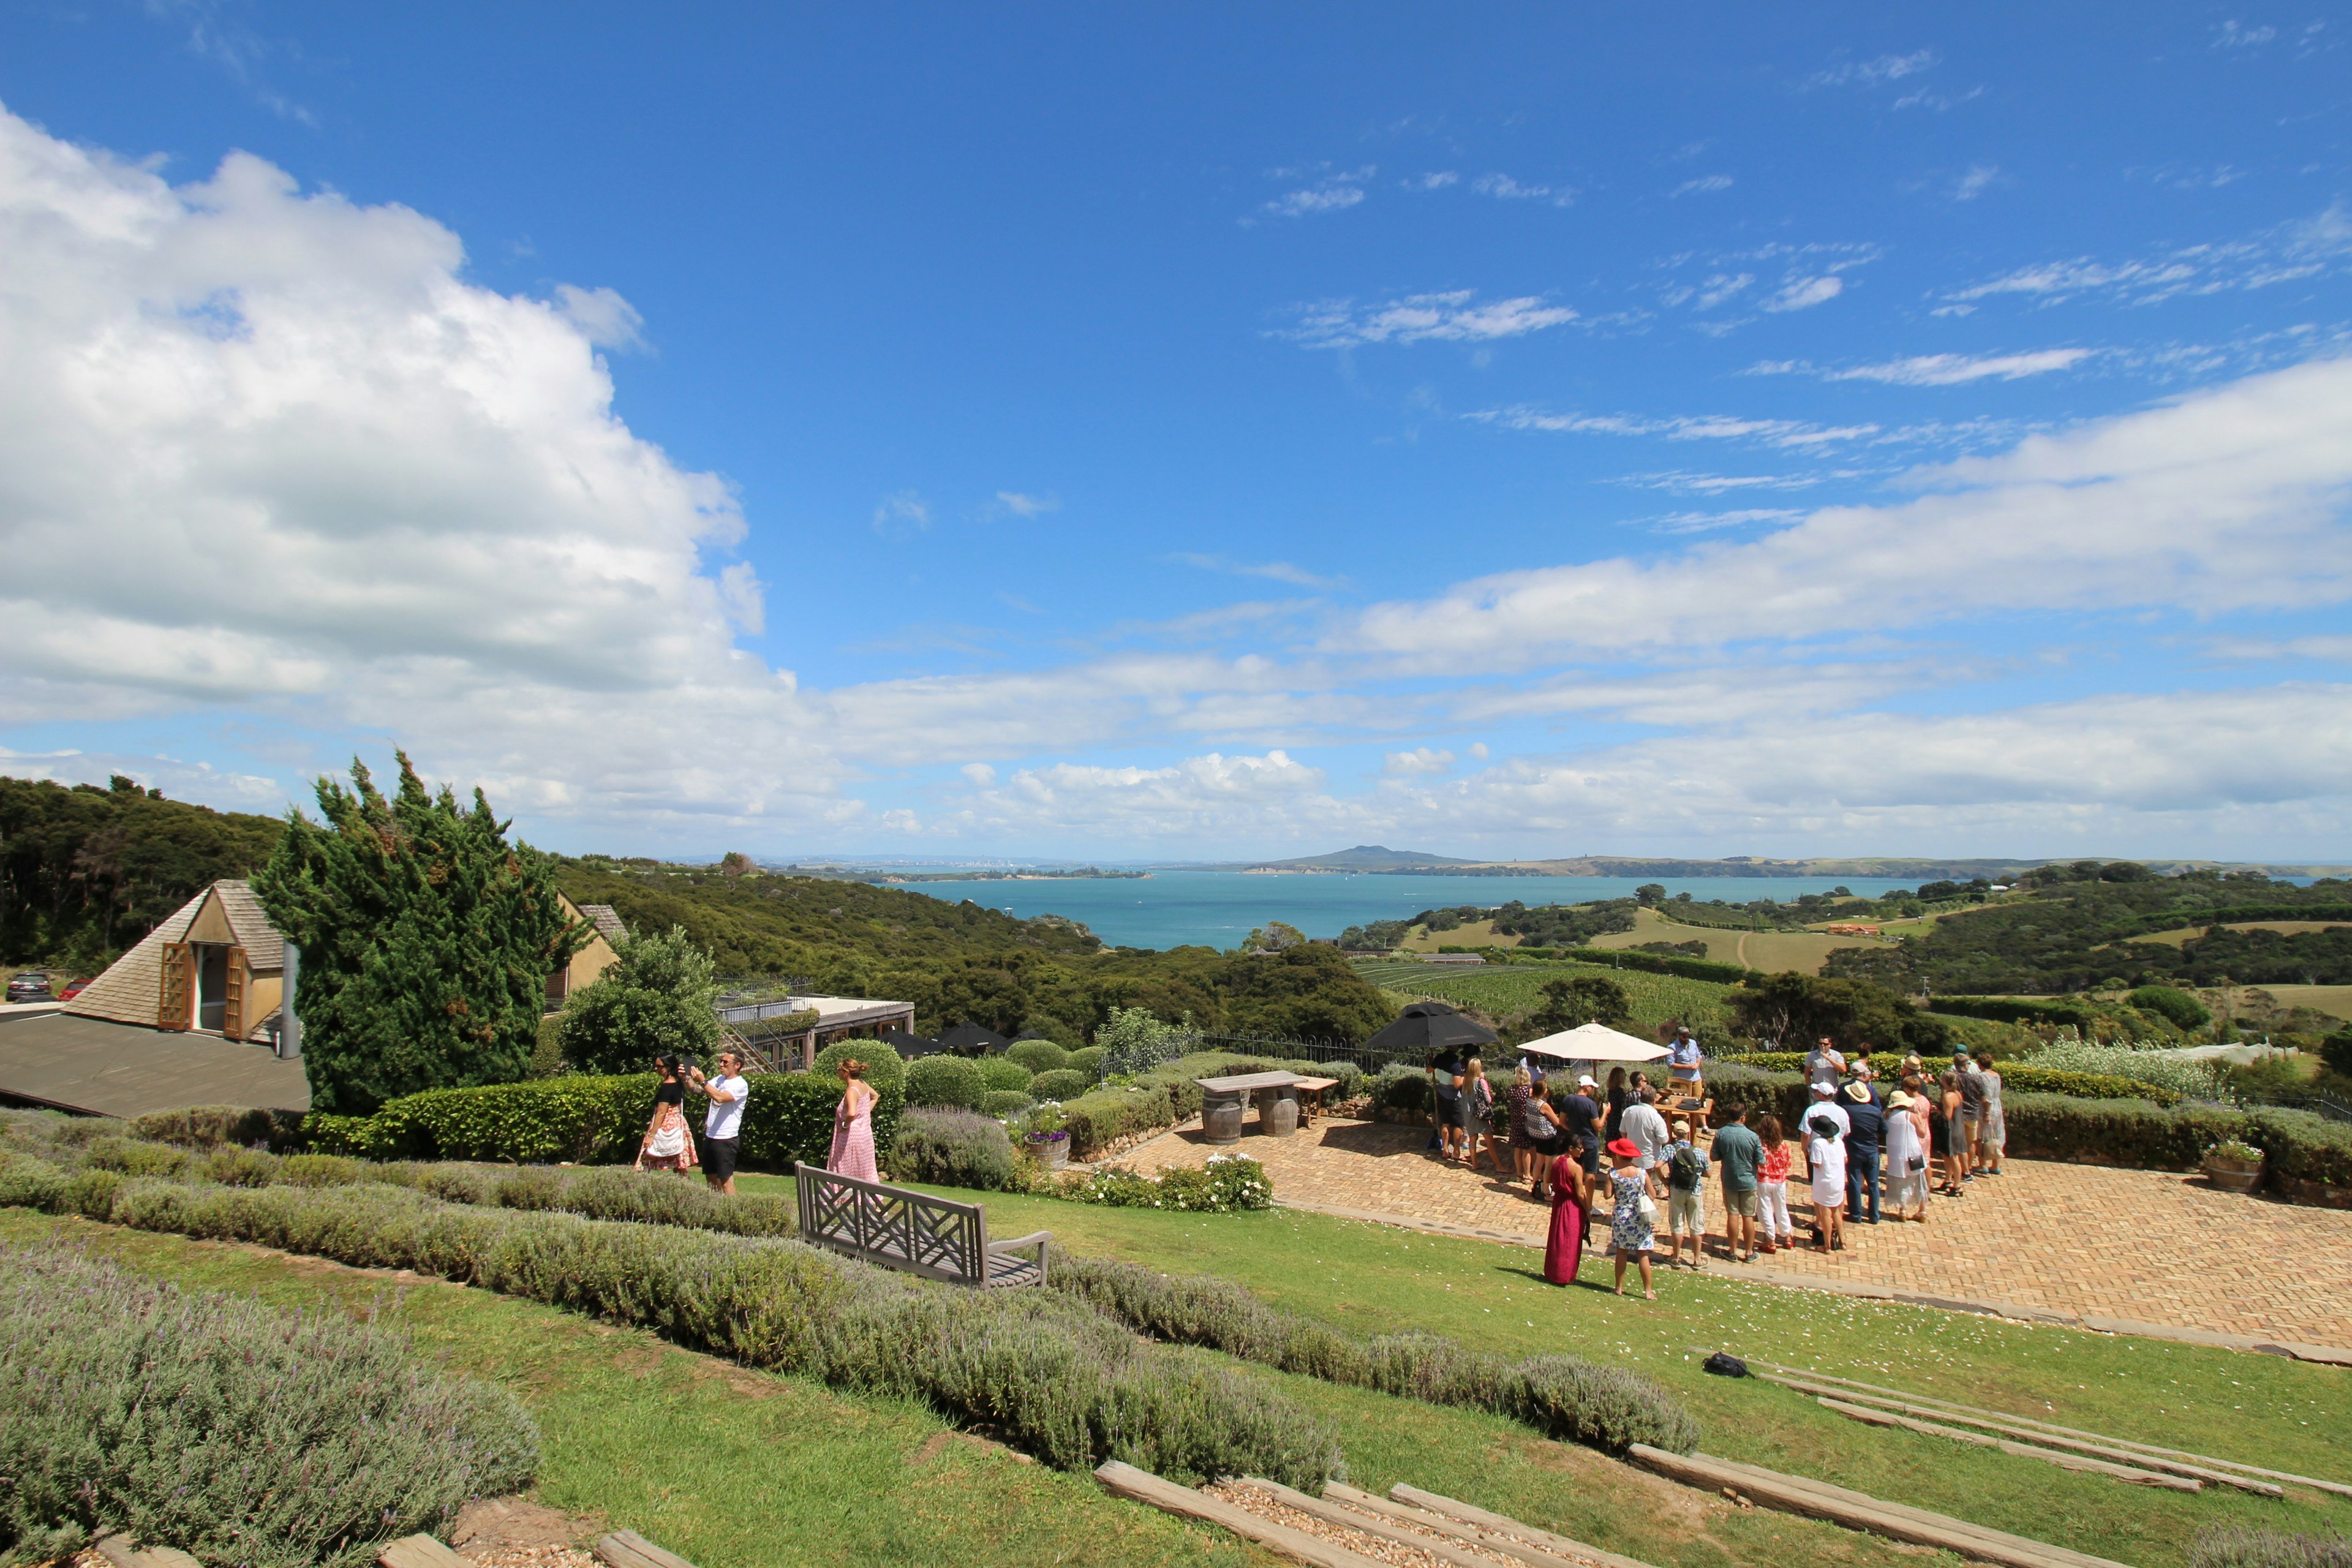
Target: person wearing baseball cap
point(1580, 1123)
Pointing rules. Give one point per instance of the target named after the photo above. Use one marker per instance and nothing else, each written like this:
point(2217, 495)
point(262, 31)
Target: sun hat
point(1681, 1124)
point(1898, 1099)
point(1625, 1149)
point(1858, 1093)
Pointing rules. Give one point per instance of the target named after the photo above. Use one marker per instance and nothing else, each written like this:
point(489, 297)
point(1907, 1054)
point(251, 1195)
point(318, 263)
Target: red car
point(72, 990)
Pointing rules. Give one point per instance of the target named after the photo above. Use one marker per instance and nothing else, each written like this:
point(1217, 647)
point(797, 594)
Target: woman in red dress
point(1565, 1250)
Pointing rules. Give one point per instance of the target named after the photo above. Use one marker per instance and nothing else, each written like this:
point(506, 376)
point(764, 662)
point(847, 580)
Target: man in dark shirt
point(1972, 1111)
point(1580, 1115)
point(1865, 1135)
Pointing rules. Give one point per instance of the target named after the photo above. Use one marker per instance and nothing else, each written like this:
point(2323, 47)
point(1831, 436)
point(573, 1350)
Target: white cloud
point(901, 515)
point(1707, 522)
point(602, 317)
point(1209, 797)
point(2235, 34)
point(1015, 504)
point(1332, 193)
point(1972, 185)
point(1703, 182)
point(2228, 498)
point(1877, 71)
point(1419, 762)
point(1273, 571)
point(2336, 649)
point(1436, 179)
point(1787, 434)
point(1804, 294)
point(1955, 370)
point(2306, 248)
point(978, 773)
point(1504, 188)
point(1451, 317)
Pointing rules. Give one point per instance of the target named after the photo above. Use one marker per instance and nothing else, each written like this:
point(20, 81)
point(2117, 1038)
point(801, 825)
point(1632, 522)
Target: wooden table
point(1222, 1099)
point(1310, 1098)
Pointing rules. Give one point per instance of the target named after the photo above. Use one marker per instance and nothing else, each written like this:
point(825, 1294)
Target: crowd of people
point(1868, 1154)
point(669, 1142)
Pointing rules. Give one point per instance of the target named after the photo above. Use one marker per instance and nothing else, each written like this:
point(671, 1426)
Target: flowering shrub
point(1228, 1185)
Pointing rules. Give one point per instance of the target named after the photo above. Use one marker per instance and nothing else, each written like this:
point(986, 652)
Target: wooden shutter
point(177, 996)
point(233, 1019)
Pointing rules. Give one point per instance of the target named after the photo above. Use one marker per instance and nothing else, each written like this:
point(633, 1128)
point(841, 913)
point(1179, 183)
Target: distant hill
point(1364, 858)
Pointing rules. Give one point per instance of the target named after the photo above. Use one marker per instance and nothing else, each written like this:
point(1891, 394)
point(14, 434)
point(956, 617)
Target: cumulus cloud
point(1014, 503)
point(2229, 498)
point(1199, 797)
point(1451, 317)
point(1419, 762)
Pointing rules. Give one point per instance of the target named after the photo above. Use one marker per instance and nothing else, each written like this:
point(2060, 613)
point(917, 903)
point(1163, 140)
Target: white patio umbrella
point(1594, 1043)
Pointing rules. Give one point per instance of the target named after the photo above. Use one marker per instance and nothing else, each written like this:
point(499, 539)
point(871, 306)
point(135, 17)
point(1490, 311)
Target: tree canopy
point(427, 940)
point(655, 1000)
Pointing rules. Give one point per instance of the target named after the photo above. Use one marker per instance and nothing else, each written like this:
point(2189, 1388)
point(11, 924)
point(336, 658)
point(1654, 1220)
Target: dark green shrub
point(951, 1148)
point(2336, 1050)
point(1561, 1396)
point(2136, 1133)
point(204, 1128)
point(225, 1427)
point(1096, 1122)
point(1401, 1087)
point(884, 1068)
point(2176, 1006)
point(1004, 1102)
point(1060, 1084)
point(242, 1168)
point(1055, 1377)
point(2252, 1546)
point(1087, 1060)
point(944, 1080)
point(1036, 1056)
point(1002, 1073)
point(2016, 1077)
point(2302, 1145)
point(655, 1000)
point(134, 1158)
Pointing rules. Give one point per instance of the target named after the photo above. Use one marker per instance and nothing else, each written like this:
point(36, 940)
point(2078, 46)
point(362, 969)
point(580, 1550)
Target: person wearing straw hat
point(1907, 1159)
point(1865, 1135)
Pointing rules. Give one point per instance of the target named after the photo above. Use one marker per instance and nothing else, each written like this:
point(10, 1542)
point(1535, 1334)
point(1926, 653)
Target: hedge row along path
point(2078, 1242)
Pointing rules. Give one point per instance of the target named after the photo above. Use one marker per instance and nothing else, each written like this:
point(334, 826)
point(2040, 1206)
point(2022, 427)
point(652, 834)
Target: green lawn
point(2260, 1409)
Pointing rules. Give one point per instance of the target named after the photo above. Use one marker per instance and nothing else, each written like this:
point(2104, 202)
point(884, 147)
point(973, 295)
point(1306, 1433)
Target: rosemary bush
point(953, 1149)
point(1559, 1395)
point(2249, 1546)
point(232, 1430)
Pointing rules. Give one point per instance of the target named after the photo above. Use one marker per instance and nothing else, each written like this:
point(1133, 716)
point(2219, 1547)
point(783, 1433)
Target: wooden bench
point(898, 1228)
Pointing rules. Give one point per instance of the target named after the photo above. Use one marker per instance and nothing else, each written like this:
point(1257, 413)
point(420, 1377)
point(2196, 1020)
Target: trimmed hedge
point(1561, 1396)
point(1002, 1073)
point(884, 1068)
point(587, 1120)
point(225, 1427)
point(1004, 1102)
point(1060, 1380)
point(1161, 1097)
point(945, 1080)
point(1087, 1060)
point(1038, 1056)
point(1062, 1083)
point(1656, 964)
point(2016, 1077)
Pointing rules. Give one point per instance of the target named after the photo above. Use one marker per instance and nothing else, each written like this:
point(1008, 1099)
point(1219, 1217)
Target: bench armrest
point(1039, 1239)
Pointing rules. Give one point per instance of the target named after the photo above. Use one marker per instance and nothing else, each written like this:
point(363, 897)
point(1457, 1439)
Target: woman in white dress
point(1907, 1161)
point(1825, 1157)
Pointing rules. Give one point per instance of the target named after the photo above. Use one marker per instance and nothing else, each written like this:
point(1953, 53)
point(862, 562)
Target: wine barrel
point(1221, 1117)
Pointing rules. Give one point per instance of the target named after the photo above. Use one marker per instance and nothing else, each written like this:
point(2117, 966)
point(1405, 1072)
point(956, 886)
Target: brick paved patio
point(2148, 1247)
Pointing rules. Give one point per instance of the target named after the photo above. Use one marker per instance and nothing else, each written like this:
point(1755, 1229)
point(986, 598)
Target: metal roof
point(79, 1063)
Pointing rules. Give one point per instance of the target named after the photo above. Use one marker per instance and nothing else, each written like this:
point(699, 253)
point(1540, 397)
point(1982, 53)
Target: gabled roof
point(607, 920)
point(129, 990)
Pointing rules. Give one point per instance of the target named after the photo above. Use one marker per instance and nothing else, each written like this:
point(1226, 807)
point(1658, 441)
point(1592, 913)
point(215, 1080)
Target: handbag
point(1648, 1209)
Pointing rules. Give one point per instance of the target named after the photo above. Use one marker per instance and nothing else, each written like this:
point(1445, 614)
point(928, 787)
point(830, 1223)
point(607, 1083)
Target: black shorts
point(718, 1158)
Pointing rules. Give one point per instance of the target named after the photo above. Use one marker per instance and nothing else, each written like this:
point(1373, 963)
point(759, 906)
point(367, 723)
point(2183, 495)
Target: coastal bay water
point(1173, 907)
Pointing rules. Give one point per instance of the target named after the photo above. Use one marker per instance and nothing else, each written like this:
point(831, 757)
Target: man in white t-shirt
point(722, 1124)
point(1641, 1122)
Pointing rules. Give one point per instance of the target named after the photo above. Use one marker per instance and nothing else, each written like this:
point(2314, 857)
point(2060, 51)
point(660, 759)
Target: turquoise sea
point(1218, 908)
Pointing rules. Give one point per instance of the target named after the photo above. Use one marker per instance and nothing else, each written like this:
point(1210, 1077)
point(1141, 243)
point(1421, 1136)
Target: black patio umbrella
point(972, 1040)
point(1427, 1026)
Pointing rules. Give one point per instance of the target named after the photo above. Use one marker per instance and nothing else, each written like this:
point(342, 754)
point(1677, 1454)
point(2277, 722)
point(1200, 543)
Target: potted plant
point(2234, 1164)
point(1044, 1130)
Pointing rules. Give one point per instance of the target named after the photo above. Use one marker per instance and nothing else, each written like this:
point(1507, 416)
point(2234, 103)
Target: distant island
point(1379, 861)
point(1084, 873)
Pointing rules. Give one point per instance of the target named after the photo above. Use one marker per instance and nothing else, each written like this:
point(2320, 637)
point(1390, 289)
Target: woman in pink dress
point(852, 1126)
point(1564, 1252)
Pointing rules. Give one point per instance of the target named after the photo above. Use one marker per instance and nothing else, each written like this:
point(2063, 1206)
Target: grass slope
point(1367, 1278)
point(1766, 950)
point(1502, 989)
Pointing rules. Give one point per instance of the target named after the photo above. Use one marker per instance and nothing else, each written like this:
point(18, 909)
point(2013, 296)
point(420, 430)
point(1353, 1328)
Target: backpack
point(1688, 1166)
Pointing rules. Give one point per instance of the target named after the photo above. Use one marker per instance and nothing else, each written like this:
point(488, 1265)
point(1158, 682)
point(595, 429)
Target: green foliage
point(952, 1147)
point(1564, 925)
point(226, 1428)
point(1273, 937)
point(656, 1000)
point(1579, 999)
point(2017, 1077)
point(1088, 1060)
point(1794, 1008)
point(427, 942)
point(1689, 968)
point(944, 1080)
point(2178, 1007)
point(1054, 1377)
point(1303, 993)
point(1035, 1057)
point(1402, 1087)
point(1004, 1072)
point(2222, 957)
point(886, 1069)
point(207, 1127)
point(1227, 1183)
point(2180, 1077)
point(2336, 1051)
point(1062, 1084)
point(2008, 1010)
point(2138, 1133)
point(1561, 1396)
point(1004, 1102)
point(1133, 1041)
point(85, 871)
point(1096, 1122)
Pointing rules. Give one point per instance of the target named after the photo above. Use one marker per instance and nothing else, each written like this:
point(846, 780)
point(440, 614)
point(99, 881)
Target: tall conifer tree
point(427, 940)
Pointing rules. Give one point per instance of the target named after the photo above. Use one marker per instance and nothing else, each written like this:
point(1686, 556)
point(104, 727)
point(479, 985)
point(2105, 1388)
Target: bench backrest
point(894, 1227)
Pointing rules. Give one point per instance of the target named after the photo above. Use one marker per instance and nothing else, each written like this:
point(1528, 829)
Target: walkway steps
point(1519, 1546)
point(1381, 1529)
point(1141, 1486)
point(627, 1549)
point(1859, 1511)
point(1945, 1408)
point(2126, 1473)
point(1468, 1513)
point(2102, 1450)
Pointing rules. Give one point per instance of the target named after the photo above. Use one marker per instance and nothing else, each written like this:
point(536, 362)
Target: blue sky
point(1185, 432)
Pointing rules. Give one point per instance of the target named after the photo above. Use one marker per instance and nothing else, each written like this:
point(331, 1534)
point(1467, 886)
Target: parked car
point(32, 986)
point(72, 990)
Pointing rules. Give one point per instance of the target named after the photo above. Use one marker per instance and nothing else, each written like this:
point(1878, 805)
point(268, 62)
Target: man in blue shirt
point(1865, 1135)
point(1681, 1061)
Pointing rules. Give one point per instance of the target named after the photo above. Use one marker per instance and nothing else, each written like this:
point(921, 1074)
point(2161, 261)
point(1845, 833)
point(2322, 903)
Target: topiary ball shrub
point(1061, 1084)
point(885, 1070)
point(1004, 1102)
point(1002, 1073)
point(1088, 1061)
point(1038, 1056)
point(944, 1080)
point(952, 1149)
